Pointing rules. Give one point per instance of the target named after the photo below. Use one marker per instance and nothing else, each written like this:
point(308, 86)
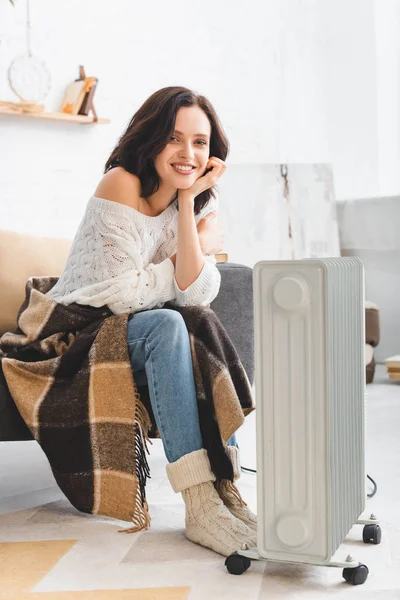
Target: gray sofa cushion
point(234, 307)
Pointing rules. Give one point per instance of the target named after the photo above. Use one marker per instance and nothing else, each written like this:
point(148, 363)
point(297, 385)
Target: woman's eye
point(202, 142)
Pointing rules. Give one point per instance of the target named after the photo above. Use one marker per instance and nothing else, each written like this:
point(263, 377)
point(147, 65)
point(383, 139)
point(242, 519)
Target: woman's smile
point(183, 169)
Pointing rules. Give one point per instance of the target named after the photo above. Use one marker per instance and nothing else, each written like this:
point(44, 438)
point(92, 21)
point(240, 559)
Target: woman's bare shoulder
point(120, 186)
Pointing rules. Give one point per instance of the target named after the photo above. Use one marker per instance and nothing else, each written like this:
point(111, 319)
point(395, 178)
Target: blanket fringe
point(141, 516)
point(143, 420)
point(229, 493)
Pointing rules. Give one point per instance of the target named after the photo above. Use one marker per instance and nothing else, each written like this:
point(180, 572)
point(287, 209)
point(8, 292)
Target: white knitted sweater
point(121, 258)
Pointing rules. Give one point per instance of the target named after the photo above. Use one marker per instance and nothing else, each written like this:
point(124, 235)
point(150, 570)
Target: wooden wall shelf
point(55, 116)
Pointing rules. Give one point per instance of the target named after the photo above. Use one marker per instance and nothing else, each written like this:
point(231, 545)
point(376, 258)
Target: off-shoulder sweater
point(121, 258)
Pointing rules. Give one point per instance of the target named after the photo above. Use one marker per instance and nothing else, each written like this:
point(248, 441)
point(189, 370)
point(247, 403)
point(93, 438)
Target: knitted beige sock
point(208, 521)
point(231, 497)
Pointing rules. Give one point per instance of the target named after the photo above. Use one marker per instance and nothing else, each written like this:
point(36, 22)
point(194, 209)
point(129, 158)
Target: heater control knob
point(290, 293)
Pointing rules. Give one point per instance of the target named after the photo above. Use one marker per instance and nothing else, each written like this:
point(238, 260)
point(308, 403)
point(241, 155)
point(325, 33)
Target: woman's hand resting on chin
point(204, 182)
point(211, 235)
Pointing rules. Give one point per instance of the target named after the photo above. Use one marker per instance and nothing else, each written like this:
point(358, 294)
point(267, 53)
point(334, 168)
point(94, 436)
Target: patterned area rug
point(50, 550)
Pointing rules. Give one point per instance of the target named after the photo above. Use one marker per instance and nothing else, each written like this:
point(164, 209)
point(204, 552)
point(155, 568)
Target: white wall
point(292, 80)
point(387, 19)
point(350, 88)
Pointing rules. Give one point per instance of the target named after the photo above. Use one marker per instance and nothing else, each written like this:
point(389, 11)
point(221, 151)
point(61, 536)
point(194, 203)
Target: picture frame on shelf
point(78, 97)
point(73, 97)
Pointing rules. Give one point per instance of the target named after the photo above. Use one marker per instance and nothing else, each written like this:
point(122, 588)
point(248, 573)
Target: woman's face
point(189, 145)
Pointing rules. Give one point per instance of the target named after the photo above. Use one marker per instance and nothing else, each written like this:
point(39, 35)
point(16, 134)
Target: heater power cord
point(375, 488)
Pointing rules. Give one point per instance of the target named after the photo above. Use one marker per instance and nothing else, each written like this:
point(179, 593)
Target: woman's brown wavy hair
point(150, 130)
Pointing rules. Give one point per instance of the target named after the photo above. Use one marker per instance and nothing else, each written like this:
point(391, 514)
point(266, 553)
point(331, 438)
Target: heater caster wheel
point(372, 534)
point(356, 575)
point(237, 564)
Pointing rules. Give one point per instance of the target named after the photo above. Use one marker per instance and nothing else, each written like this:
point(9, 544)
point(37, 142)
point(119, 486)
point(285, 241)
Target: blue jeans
point(159, 349)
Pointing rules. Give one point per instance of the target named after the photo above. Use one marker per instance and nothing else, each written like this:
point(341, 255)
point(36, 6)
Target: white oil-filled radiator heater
point(309, 336)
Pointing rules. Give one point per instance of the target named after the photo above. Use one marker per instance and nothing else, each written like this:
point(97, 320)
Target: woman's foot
point(230, 494)
point(208, 521)
point(232, 499)
point(211, 524)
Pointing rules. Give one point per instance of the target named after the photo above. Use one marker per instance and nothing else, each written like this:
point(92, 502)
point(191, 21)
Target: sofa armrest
point(372, 330)
point(234, 308)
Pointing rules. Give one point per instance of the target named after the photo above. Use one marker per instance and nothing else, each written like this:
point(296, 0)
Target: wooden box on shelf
point(78, 96)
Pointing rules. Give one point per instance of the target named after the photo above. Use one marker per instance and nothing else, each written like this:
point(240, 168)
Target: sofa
point(23, 256)
point(372, 338)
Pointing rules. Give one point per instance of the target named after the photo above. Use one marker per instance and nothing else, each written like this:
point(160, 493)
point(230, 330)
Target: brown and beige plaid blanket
point(68, 371)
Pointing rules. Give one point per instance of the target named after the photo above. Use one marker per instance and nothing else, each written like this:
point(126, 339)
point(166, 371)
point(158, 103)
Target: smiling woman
point(147, 241)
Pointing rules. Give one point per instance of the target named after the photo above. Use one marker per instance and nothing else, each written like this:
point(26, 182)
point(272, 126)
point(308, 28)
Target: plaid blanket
point(68, 371)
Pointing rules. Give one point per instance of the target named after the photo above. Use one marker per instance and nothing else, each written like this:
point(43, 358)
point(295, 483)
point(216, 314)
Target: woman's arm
point(197, 279)
point(206, 225)
point(202, 282)
point(189, 257)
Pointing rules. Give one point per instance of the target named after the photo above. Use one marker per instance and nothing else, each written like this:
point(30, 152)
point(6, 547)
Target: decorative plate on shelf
point(29, 78)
